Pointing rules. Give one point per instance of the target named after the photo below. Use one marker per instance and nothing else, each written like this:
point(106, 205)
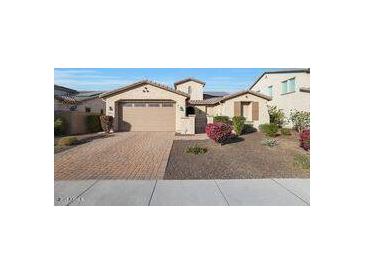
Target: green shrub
point(302, 161)
point(270, 142)
point(106, 123)
point(238, 124)
point(285, 131)
point(59, 126)
point(196, 149)
point(221, 119)
point(93, 123)
point(277, 116)
point(270, 130)
point(300, 119)
point(67, 141)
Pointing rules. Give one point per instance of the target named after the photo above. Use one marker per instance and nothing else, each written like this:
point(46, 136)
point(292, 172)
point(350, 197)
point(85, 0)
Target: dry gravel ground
point(245, 158)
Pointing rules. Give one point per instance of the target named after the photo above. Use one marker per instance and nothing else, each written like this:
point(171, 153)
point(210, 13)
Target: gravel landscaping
point(245, 157)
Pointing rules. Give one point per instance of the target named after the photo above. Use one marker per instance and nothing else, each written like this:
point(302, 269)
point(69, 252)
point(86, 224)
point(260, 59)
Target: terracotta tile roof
point(67, 100)
point(216, 100)
point(243, 92)
point(210, 101)
point(143, 82)
point(188, 79)
point(304, 90)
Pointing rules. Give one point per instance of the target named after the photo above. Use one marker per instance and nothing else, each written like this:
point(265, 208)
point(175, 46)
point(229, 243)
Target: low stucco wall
point(138, 93)
point(188, 125)
point(75, 121)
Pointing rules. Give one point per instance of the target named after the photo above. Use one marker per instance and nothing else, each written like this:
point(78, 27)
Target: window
point(87, 109)
point(139, 105)
point(154, 105)
point(101, 111)
point(127, 105)
point(284, 87)
point(189, 89)
point(269, 91)
point(288, 86)
point(291, 85)
point(167, 105)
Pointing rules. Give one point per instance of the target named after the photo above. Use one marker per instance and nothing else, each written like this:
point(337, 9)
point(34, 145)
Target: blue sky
point(217, 79)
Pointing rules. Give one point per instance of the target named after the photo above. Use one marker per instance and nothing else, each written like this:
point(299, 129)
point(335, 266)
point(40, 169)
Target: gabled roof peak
point(187, 80)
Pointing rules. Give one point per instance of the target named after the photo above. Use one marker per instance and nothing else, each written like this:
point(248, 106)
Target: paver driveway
point(125, 155)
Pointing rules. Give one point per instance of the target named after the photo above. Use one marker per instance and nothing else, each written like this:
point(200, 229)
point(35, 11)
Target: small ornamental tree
point(304, 138)
point(106, 123)
point(277, 116)
point(218, 132)
point(300, 119)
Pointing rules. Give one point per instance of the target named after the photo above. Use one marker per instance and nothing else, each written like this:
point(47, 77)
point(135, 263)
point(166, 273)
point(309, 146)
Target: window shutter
point(255, 111)
point(237, 109)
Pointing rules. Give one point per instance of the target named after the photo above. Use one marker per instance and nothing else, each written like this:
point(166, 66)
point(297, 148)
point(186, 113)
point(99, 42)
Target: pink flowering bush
point(304, 138)
point(219, 132)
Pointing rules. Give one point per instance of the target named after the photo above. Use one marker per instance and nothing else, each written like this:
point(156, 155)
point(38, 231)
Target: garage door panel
point(141, 116)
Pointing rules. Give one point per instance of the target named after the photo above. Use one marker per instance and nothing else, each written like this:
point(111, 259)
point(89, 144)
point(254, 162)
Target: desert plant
point(93, 123)
point(285, 131)
point(299, 119)
point(238, 124)
point(221, 119)
point(106, 122)
point(302, 161)
point(196, 149)
point(304, 138)
point(219, 132)
point(59, 126)
point(270, 130)
point(277, 116)
point(270, 142)
point(67, 141)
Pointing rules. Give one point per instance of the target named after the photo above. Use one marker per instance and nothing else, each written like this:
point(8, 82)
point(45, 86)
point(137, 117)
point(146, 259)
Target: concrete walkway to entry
point(245, 192)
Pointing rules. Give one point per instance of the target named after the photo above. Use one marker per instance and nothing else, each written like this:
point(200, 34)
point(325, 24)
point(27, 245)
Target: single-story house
point(66, 99)
point(150, 106)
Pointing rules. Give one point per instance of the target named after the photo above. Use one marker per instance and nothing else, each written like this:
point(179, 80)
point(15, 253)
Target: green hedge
point(93, 123)
point(60, 126)
point(270, 130)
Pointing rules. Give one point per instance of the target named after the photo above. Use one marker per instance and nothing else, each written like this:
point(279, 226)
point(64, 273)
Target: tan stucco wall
point(96, 105)
point(188, 125)
point(228, 108)
point(197, 89)
point(155, 93)
point(296, 100)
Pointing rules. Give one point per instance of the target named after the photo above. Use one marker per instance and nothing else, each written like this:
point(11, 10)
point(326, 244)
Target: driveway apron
point(127, 155)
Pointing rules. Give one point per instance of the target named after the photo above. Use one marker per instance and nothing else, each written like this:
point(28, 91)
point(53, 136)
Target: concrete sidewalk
point(245, 192)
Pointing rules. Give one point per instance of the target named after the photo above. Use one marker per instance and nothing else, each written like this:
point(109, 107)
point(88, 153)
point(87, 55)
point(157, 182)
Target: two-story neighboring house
point(289, 89)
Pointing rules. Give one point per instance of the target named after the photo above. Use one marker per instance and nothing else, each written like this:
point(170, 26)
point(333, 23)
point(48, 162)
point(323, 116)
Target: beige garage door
point(147, 116)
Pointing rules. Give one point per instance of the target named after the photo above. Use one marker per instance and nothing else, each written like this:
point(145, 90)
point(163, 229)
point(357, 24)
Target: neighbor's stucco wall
point(155, 93)
point(96, 105)
point(196, 89)
point(227, 108)
point(296, 100)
